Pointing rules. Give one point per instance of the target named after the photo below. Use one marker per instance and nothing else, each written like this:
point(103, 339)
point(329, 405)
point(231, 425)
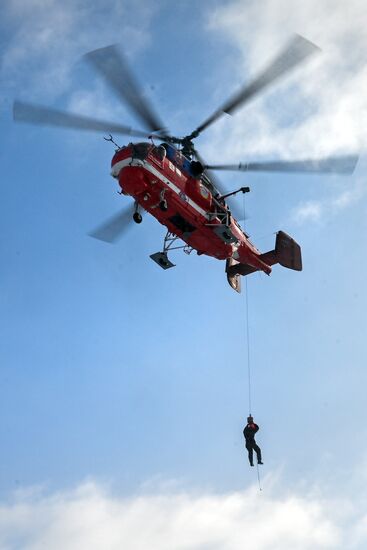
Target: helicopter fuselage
point(161, 181)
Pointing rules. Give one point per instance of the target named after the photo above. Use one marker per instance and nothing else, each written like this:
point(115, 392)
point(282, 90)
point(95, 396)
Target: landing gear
point(137, 217)
point(161, 258)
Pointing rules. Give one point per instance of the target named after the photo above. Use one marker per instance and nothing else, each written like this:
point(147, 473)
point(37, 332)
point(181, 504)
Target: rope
point(258, 477)
point(249, 378)
point(248, 351)
point(247, 328)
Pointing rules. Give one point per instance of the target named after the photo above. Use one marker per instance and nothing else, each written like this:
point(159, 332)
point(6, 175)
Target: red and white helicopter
point(173, 183)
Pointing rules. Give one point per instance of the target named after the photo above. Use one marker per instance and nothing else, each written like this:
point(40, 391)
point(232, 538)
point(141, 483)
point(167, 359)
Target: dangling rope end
point(258, 477)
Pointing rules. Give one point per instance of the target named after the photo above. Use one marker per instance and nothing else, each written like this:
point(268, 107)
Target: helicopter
point(173, 183)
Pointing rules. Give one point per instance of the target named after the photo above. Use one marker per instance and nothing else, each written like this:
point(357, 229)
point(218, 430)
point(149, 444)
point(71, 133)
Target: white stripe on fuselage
point(143, 164)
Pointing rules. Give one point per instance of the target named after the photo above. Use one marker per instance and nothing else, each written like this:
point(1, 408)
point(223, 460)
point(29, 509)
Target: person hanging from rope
point(249, 432)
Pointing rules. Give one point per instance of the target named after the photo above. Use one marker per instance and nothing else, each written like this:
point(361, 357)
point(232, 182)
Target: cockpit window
point(141, 150)
point(160, 152)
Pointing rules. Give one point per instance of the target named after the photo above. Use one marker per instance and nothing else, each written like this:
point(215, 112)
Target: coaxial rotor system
point(112, 66)
point(110, 63)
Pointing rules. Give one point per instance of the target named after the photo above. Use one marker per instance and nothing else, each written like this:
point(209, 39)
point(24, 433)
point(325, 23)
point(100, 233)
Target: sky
point(123, 387)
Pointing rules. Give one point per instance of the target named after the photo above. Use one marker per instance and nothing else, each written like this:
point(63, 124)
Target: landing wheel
point(138, 218)
point(163, 205)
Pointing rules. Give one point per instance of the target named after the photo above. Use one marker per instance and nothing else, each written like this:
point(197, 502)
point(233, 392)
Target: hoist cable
point(248, 349)
point(247, 328)
point(249, 378)
point(258, 478)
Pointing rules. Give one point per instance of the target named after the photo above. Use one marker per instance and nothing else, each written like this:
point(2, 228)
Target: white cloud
point(47, 38)
point(308, 211)
point(322, 107)
point(90, 517)
point(322, 210)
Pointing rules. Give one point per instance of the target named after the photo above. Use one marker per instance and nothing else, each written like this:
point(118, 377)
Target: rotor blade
point(110, 63)
point(338, 165)
point(297, 50)
point(115, 226)
point(36, 114)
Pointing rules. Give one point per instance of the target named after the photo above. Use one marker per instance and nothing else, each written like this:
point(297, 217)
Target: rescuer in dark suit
point(249, 432)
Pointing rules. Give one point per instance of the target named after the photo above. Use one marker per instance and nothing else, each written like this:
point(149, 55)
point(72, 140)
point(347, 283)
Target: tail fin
point(286, 253)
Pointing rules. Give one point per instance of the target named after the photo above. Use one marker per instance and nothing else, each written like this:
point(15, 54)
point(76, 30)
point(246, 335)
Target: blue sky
point(124, 387)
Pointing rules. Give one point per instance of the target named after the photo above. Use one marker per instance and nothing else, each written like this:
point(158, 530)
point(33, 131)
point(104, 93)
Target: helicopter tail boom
point(287, 253)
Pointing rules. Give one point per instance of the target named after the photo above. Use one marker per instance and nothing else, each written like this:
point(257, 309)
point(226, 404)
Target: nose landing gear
point(137, 217)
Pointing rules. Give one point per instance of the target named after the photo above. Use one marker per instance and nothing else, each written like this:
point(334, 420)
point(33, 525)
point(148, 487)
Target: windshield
point(141, 150)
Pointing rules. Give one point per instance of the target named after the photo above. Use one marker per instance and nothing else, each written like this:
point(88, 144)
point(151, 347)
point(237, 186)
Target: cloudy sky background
point(124, 388)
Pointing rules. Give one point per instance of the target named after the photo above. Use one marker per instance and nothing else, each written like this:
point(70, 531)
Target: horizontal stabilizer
point(286, 253)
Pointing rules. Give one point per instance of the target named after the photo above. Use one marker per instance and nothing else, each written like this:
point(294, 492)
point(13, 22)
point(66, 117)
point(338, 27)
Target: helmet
point(250, 419)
